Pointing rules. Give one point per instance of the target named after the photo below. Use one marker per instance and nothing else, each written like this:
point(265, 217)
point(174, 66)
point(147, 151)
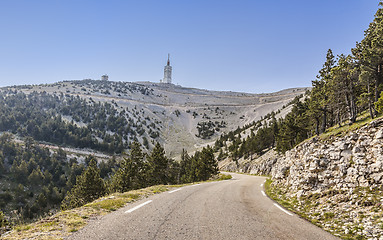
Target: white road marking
point(175, 190)
point(262, 185)
point(138, 206)
point(283, 209)
point(263, 193)
point(195, 185)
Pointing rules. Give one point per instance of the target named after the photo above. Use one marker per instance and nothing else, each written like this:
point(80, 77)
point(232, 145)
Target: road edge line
point(263, 193)
point(284, 210)
point(138, 206)
point(175, 190)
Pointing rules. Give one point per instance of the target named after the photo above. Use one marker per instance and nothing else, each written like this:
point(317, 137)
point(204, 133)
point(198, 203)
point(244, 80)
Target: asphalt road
point(231, 209)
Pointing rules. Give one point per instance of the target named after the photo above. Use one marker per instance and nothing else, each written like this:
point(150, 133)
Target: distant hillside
point(107, 116)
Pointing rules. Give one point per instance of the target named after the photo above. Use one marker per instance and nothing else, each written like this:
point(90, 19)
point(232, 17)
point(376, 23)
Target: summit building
point(167, 72)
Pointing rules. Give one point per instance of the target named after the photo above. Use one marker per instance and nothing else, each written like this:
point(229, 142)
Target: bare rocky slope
point(336, 183)
point(179, 114)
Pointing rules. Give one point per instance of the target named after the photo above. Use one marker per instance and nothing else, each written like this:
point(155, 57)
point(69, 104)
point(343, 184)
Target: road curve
point(231, 209)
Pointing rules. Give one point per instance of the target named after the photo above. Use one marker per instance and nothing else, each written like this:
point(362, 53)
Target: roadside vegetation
point(323, 209)
point(346, 94)
point(66, 222)
point(37, 182)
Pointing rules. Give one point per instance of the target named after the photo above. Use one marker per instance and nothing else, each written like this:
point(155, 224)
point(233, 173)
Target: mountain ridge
point(176, 111)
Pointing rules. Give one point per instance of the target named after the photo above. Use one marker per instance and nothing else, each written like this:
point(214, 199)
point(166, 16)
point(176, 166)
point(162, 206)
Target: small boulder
point(379, 134)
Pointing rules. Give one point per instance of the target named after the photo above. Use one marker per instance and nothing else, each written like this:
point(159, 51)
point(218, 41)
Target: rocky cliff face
point(340, 180)
point(258, 165)
point(335, 183)
point(355, 160)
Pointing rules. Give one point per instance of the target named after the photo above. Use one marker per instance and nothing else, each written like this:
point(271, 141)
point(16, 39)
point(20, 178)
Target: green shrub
point(224, 176)
point(3, 221)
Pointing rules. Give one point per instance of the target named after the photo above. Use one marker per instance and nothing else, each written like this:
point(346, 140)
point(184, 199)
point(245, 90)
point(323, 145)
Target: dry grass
point(361, 121)
point(63, 223)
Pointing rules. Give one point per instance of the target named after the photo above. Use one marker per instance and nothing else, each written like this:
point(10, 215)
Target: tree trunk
point(351, 103)
point(317, 126)
point(331, 118)
point(377, 83)
point(352, 109)
point(324, 122)
point(376, 96)
point(369, 100)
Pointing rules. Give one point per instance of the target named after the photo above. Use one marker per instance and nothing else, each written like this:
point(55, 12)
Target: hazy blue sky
point(238, 45)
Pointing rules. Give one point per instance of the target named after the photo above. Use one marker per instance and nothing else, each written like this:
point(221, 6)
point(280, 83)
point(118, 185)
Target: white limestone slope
point(160, 102)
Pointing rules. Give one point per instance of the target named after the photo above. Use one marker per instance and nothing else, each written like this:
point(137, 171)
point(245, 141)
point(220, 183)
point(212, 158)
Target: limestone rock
point(379, 134)
point(341, 165)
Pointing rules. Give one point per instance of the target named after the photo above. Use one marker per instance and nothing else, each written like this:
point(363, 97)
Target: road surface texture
point(230, 209)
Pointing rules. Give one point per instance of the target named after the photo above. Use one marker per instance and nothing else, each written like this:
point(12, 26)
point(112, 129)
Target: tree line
point(41, 116)
point(36, 180)
point(349, 84)
point(345, 87)
point(140, 170)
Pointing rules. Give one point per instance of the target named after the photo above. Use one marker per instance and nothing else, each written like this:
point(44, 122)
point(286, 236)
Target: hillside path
point(231, 209)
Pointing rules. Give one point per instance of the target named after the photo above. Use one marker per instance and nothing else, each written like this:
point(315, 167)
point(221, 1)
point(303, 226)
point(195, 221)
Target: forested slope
point(346, 87)
point(107, 116)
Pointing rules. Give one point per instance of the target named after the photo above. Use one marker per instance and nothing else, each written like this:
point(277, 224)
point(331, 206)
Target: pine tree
point(157, 166)
point(294, 128)
point(189, 166)
point(369, 52)
point(379, 104)
point(343, 86)
point(207, 165)
point(184, 165)
point(89, 186)
point(319, 93)
point(131, 173)
point(220, 155)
